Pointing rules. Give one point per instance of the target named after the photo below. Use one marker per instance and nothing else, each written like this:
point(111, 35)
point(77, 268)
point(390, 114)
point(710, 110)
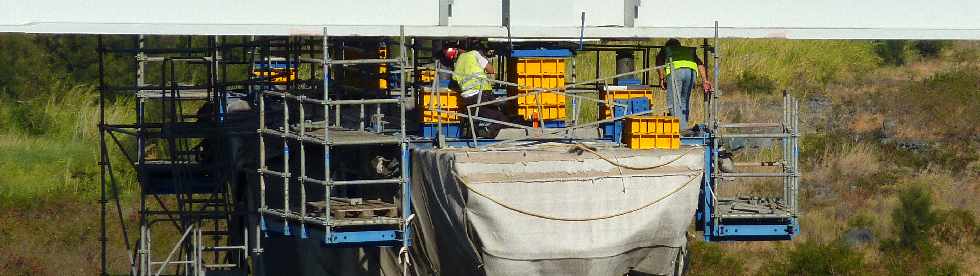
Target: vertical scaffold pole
point(787, 161)
point(327, 179)
point(102, 163)
point(709, 215)
point(302, 154)
point(143, 252)
point(285, 156)
point(263, 167)
point(406, 189)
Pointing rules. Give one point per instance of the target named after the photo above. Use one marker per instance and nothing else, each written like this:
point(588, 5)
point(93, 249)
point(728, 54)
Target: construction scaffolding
point(235, 139)
point(339, 210)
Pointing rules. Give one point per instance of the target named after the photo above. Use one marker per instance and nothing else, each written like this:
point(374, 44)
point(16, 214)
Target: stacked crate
point(277, 71)
point(445, 100)
point(652, 132)
point(369, 76)
point(610, 94)
point(539, 69)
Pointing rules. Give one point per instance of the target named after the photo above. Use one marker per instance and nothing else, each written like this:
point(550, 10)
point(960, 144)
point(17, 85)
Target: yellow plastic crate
point(539, 81)
point(548, 113)
point(653, 141)
point(609, 97)
point(448, 100)
point(533, 73)
point(652, 132)
point(539, 73)
point(552, 105)
point(278, 75)
point(539, 66)
point(644, 125)
point(529, 98)
point(427, 75)
point(382, 68)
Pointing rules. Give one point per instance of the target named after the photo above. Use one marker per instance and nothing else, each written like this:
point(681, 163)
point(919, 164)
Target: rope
point(538, 215)
point(607, 159)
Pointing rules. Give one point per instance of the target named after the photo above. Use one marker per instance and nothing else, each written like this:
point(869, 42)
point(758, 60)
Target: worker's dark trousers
point(491, 111)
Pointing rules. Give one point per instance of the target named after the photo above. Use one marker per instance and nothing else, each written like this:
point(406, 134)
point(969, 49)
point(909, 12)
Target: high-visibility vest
point(683, 57)
point(470, 75)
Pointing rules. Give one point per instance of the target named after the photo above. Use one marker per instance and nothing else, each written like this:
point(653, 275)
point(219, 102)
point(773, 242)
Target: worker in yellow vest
point(687, 67)
point(471, 71)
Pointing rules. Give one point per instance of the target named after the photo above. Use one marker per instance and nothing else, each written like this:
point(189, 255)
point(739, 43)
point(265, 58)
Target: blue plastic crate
point(552, 53)
point(628, 82)
point(614, 130)
point(450, 130)
point(609, 129)
point(633, 105)
point(554, 124)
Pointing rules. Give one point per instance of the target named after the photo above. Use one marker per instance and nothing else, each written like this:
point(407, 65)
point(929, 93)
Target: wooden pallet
point(356, 208)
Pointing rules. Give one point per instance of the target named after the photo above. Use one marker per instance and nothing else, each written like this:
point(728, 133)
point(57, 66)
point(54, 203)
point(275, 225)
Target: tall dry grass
point(59, 152)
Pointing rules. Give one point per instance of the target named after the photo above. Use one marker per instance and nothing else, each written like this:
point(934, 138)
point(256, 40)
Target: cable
point(607, 159)
point(533, 214)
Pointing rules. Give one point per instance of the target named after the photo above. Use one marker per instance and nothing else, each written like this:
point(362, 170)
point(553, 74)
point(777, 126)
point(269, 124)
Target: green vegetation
point(812, 258)
point(890, 147)
point(48, 116)
point(914, 219)
point(711, 259)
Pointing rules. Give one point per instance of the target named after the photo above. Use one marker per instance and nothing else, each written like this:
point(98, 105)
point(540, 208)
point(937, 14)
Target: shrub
point(28, 119)
point(813, 258)
point(930, 48)
point(891, 52)
point(957, 227)
point(796, 63)
point(753, 83)
point(944, 269)
point(710, 259)
point(913, 220)
point(861, 220)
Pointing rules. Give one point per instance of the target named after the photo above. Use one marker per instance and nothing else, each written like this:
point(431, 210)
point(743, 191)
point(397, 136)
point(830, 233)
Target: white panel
point(257, 12)
point(559, 13)
point(794, 19)
point(477, 13)
point(826, 14)
point(599, 13)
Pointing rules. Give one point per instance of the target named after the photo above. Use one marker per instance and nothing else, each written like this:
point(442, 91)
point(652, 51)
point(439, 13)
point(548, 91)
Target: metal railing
point(327, 134)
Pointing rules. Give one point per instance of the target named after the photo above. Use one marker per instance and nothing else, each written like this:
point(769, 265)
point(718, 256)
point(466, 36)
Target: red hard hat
point(450, 53)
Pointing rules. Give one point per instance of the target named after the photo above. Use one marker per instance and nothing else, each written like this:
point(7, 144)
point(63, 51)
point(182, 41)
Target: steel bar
point(354, 182)
point(757, 174)
point(302, 169)
point(760, 164)
point(406, 200)
point(361, 61)
point(326, 133)
point(285, 160)
point(102, 161)
point(757, 135)
point(750, 125)
point(174, 250)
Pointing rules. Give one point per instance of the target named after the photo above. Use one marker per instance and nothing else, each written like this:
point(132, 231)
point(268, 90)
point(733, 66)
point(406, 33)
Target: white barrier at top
point(561, 19)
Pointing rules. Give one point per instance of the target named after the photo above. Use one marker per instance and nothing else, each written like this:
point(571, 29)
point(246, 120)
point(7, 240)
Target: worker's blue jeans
point(684, 79)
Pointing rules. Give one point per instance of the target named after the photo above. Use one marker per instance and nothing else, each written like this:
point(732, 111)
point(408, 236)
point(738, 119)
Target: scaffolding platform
point(341, 136)
point(753, 207)
point(354, 208)
point(164, 177)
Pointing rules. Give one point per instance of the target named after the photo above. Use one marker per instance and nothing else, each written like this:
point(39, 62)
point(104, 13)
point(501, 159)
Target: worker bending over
point(470, 70)
point(684, 62)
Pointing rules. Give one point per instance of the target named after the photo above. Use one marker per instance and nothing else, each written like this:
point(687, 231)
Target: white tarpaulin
point(547, 210)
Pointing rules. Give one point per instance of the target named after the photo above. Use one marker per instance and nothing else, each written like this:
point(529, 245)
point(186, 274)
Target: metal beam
point(555, 19)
